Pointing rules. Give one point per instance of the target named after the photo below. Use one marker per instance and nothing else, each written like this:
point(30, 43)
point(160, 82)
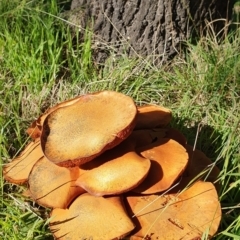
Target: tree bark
point(147, 28)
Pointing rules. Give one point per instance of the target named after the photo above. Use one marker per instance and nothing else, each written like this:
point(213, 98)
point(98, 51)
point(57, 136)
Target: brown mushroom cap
point(116, 171)
point(35, 129)
point(143, 137)
point(17, 171)
point(78, 133)
point(168, 161)
point(152, 116)
point(200, 166)
point(176, 135)
point(53, 186)
point(91, 217)
point(186, 215)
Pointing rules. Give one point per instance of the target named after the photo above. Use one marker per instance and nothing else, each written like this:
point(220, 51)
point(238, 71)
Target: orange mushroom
point(78, 133)
point(103, 175)
point(176, 135)
point(186, 215)
point(17, 171)
point(116, 171)
point(168, 161)
point(143, 137)
point(200, 167)
point(90, 217)
point(152, 116)
point(53, 186)
point(131, 150)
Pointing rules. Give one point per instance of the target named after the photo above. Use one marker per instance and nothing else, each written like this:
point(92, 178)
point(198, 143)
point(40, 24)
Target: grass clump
point(41, 64)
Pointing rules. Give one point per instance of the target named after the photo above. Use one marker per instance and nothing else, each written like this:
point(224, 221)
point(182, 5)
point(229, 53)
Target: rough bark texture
point(146, 28)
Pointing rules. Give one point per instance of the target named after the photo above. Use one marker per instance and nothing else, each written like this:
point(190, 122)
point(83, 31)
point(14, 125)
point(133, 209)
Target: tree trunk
point(147, 28)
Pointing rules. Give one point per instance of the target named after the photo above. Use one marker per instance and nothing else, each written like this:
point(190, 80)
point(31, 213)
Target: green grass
point(40, 65)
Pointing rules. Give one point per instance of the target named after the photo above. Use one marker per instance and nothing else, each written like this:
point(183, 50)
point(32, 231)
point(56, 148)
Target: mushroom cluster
point(110, 169)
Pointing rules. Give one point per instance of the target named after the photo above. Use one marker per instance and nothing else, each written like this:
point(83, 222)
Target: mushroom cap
point(186, 215)
point(176, 135)
point(18, 170)
point(78, 133)
point(116, 171)
point(168, 161)
point(53, 186)
point(200, 166)
point(90, 217)
point(143, 137)
point(35, 129)
point(152, 116)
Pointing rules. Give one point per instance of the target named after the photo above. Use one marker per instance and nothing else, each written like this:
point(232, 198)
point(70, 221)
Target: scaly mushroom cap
point(168, 161)
point(91, 217)
point(17, 171)
point(152, 116)
point(186, 215)
point(53, 186)
point(35, 129)
point(116, 171)
point(78, 133)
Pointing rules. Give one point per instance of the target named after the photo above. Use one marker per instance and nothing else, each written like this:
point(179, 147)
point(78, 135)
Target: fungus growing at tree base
point(109, 169)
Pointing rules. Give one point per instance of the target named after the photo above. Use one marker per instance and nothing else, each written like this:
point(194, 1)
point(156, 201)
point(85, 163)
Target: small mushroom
point(78, 133)
point(168, 161)
point(53, 186)
point(90, 217)
point(17, 171)
point(186, 215)
point(152, 116)
point(116, 171)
